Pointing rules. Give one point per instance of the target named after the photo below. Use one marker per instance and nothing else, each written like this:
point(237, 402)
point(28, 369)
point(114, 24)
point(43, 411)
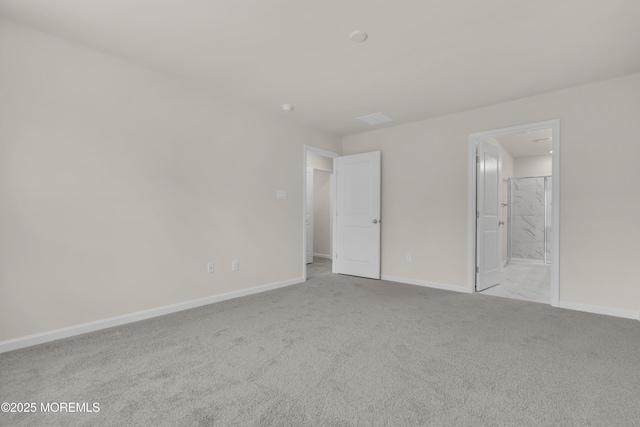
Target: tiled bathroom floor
point(524, 281)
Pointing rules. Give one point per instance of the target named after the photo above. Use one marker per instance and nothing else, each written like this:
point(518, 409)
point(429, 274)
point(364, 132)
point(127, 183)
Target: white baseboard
point(322, 255)
point(616, 312)
point(608, 311)
point(426, 284)
point(44, 337)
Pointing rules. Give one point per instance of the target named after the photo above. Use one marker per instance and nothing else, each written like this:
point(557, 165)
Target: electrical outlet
point(210, 267)
point(408, 257)
point(235, 265)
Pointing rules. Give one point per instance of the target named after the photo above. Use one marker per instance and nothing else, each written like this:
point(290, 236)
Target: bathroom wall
point(529, 228)
point(532, 166)
point(528, 218)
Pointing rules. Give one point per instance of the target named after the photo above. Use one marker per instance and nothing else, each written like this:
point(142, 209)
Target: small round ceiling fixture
point(287, 107)
point(358, 36)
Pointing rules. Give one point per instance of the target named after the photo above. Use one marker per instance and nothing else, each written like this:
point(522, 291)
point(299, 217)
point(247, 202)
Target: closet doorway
point(318, 215)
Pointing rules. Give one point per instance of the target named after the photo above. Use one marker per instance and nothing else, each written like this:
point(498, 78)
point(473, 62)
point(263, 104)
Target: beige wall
point(118, 185)
point(532, 166)
point(424, 189)
point(321, 212)
point(321, 202)
point(315, 160)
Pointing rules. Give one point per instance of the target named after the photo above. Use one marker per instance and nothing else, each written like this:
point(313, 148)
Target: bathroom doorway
point(525, 254)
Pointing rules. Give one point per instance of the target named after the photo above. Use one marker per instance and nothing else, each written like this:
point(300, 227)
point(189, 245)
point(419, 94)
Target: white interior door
point(357, 222)
point(488, 216)
point(308, 216)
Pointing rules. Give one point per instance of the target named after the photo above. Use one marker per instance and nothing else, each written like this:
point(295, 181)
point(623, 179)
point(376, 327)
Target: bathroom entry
point(521, 246)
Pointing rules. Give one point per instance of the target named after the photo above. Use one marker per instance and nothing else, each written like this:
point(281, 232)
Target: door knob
point(375, 221)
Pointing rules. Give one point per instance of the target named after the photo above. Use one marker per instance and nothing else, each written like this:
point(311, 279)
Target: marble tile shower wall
point(528, 218)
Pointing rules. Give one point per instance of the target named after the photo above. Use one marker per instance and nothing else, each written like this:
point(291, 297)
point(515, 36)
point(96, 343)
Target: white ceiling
point(423, 58)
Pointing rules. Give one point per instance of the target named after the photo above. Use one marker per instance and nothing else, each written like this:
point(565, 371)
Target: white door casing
point(308, 216)
point(357, 221)
point(506, 222)
point(474, 138)
point(488, 216)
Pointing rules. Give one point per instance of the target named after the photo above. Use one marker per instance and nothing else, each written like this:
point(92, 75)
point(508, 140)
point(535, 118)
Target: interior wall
point(321, 213)
point(315, 160)
point(118, 185)
point(532, 166)
point(424, 189)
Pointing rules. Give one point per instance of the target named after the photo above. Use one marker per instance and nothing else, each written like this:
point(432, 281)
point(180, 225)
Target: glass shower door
point(547, 219)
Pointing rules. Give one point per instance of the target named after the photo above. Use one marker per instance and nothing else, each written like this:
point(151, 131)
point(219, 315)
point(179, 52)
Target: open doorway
point(318, 212)
point(513, 193)
point(355, 201)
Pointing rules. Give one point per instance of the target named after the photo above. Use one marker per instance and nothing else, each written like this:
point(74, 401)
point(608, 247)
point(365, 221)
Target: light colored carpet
point(341, 351)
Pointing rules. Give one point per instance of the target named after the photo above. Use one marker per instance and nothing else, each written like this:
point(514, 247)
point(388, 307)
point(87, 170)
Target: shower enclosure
point(530, 219)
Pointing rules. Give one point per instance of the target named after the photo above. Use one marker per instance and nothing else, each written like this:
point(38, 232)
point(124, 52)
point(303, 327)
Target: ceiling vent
point(375, 119)
point(541, 140)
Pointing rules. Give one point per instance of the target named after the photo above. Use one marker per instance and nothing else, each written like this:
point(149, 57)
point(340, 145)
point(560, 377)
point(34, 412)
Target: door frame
point(325, 153)
point(308, 205)
point(555, 200)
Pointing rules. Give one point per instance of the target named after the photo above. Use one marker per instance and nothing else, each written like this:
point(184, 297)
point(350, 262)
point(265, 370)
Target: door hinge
point(477, 214)
point(477, 159)
point(477, 269)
